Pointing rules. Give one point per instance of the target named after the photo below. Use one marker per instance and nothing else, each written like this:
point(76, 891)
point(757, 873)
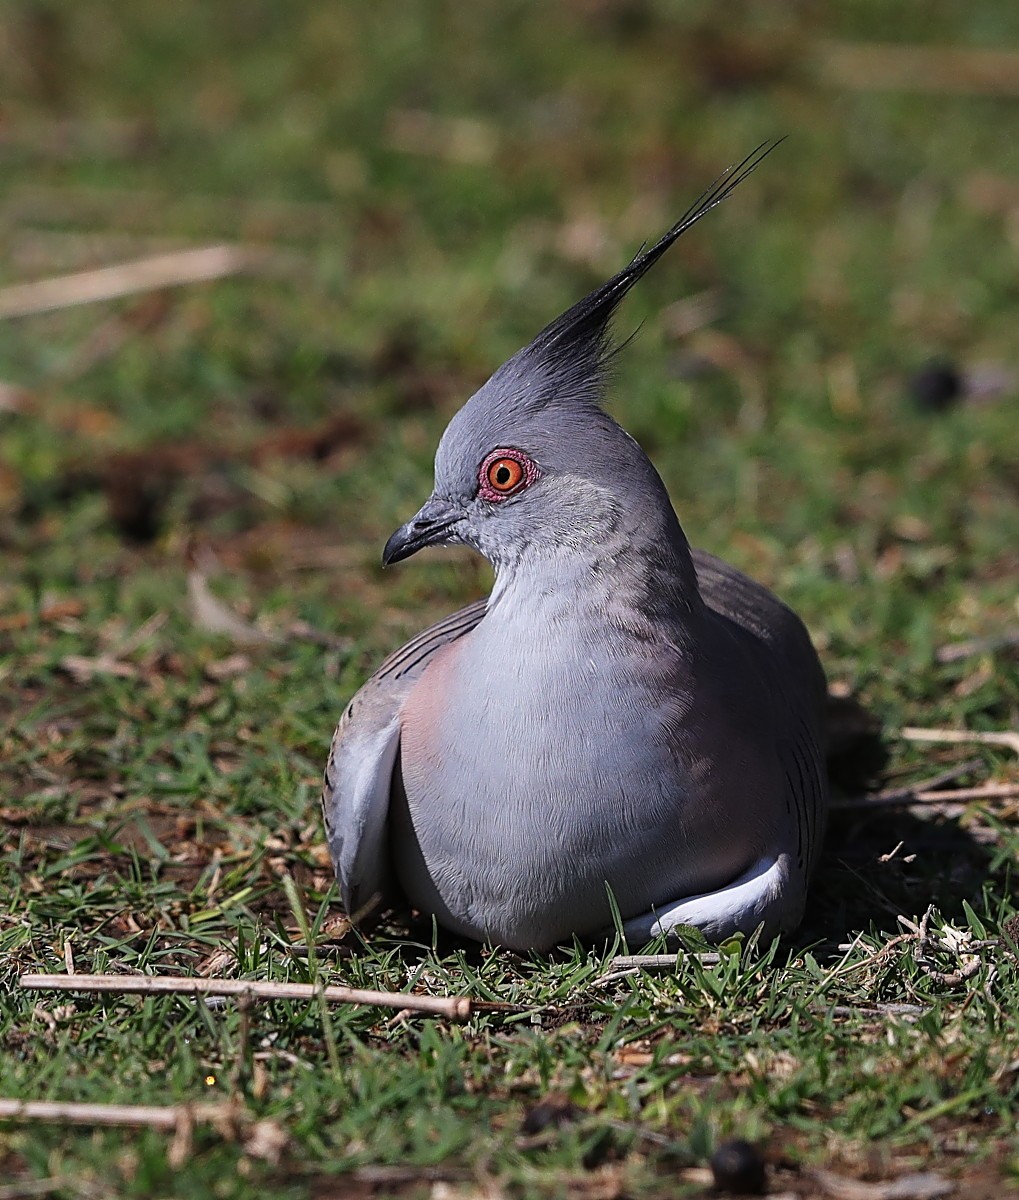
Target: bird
point(626, 735)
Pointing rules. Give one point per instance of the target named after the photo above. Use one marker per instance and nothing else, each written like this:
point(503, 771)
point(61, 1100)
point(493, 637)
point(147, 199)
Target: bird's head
point(532, 460)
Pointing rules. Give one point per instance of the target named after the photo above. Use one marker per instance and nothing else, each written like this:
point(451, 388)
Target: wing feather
point(798, 684)
point(363, 755)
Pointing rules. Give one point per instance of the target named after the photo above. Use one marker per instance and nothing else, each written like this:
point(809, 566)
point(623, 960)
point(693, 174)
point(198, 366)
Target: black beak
point(429, 527)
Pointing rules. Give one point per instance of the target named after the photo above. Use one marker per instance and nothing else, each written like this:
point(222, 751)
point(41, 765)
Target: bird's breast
point(536, 771)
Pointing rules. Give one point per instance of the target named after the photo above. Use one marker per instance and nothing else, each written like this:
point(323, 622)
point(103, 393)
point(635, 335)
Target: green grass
point(151, 817)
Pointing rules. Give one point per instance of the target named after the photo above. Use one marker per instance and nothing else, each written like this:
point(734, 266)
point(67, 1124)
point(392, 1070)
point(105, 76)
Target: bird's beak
point(429, 527)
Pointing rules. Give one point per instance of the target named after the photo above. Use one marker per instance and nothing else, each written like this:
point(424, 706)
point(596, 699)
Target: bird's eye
point(503, 473)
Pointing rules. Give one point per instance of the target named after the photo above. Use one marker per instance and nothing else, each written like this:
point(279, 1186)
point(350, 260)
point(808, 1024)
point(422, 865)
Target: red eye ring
point(504, 473)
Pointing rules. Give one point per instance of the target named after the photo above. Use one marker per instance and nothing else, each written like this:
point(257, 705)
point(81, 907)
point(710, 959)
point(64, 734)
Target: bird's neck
point(610, 565)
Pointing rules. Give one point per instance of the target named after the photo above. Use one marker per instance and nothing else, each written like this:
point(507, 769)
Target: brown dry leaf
point(220, 964)
point(334, 928)
point(889, 562)
point(911, 528)
point(228, 668)
point(266, 1140)
point(59, 610)
point(83, 669)
point(633, 1058)
point(213, 616)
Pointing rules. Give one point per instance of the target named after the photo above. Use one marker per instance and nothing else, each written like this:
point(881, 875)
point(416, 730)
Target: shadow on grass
point(941, 856)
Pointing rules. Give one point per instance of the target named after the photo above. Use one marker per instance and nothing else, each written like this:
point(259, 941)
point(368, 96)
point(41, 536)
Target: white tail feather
point(763, 895)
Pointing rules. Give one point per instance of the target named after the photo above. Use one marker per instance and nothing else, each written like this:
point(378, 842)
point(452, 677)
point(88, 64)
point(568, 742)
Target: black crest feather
point(576, 344)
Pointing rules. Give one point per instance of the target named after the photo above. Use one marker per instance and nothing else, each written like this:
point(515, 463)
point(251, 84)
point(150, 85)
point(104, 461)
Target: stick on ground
point(124, 279)
point(1007, 737)
point(660, 962)
point(956, 651)
point(151, 1116)
point(23, 1188)
point(454, 1008)
point(986, 791)
point(903, 796)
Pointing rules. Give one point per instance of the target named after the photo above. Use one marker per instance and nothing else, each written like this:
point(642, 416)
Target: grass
point(285, 423)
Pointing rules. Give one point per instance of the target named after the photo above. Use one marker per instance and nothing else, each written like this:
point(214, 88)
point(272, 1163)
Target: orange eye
point(504, 474)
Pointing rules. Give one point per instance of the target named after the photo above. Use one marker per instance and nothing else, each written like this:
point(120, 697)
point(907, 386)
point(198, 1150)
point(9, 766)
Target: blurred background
point(254, 256)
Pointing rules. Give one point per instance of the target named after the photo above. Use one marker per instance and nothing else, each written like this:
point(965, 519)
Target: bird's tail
point(770, 893)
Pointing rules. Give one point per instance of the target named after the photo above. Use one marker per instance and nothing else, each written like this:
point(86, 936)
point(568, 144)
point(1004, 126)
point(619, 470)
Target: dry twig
point(912, 793)
point(454, 1008)
point(953, 941)
point(151, 1116)
point(872, 960)
point(1008, 738)
point(956, 651)
point(394, 1174)
point(659, 962)
point(987, 791)
point(84, 669)
point(24, 1188)
point(125, 279)
point(624, 965)
point(264, 1139)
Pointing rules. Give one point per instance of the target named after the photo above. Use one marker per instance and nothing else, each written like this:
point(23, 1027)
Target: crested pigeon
point(625, 729)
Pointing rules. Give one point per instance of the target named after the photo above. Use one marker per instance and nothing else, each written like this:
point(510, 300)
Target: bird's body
point(622, 723)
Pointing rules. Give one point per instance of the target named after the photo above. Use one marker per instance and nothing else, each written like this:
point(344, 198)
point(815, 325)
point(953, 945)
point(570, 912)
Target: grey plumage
point(621, 715)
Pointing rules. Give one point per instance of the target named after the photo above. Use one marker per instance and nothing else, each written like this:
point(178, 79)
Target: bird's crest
point(574, 348)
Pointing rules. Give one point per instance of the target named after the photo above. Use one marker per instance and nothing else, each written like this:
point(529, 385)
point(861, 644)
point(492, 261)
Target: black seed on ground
point(738, 1168)
point(547, 1113)
point(937, 386)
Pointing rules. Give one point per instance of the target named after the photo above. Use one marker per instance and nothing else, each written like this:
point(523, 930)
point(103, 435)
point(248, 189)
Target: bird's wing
point(797, 691)
point(359, 773)
point(754, 608)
